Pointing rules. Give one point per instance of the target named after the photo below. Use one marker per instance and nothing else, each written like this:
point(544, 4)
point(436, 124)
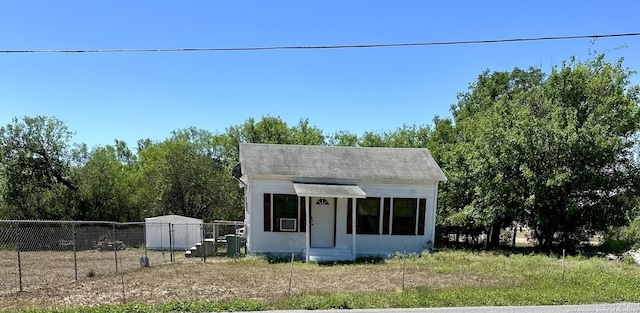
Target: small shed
point(172, 232)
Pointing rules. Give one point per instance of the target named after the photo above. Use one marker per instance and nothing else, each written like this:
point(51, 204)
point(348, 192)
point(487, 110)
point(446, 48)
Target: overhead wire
point(318, 47)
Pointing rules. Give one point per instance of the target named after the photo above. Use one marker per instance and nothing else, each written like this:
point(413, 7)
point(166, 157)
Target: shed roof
point(172, 217)
point(329, 162)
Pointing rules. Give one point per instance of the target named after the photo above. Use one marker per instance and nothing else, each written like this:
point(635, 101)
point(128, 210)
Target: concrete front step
point(328, 255)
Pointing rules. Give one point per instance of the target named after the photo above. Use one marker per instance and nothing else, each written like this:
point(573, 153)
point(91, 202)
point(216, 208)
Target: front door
point(322, 222)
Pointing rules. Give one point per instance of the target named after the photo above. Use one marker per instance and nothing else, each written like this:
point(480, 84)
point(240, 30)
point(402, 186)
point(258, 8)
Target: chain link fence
point(43, 254)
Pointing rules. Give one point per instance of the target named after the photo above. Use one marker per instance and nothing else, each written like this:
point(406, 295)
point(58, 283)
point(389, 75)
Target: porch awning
point(330, 191)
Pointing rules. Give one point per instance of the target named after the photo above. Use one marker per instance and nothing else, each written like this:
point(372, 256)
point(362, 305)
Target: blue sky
point(131, 96)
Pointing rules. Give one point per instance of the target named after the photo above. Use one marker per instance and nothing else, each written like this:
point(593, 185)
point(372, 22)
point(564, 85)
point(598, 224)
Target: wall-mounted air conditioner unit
point(288, 224)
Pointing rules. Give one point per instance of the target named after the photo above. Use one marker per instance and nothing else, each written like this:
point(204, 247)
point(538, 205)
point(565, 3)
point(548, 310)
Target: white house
point(336, 203)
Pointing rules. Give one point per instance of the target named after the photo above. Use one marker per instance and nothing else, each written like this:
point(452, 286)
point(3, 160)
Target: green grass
point(523, 280)
point(527, 280)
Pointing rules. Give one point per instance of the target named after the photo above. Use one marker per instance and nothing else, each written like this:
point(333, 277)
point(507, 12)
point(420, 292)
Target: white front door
point(322, 222)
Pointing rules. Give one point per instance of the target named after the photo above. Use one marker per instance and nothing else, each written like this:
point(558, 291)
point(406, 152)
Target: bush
point(624, 238)
point(615, 245)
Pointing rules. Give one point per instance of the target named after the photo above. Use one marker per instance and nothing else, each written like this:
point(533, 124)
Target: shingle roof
point(339, 162)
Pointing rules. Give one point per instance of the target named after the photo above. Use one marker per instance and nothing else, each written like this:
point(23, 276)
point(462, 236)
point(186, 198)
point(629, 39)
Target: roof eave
point(327, 179)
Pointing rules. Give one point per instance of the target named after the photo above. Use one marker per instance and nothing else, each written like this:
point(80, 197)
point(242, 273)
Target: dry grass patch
point(46, 269)
point(224, 279)
point(450, 278)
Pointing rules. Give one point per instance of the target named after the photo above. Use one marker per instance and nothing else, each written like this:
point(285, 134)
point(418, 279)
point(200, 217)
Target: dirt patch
point(52, 268)
point(223, 279)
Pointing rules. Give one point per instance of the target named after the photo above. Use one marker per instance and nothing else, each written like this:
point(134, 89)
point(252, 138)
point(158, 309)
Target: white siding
point(259, 241)
point(187, 231)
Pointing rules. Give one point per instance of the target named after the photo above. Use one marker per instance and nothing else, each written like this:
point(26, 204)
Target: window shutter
point(386, 216)
point(349, 216)
point(422, 209)
point(302, 216)
point(267, 212)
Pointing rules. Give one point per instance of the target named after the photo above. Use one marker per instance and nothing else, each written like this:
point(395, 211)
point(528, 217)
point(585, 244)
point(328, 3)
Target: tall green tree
point(342, 138)
point(406, 136)
point(553, 154)
point(183, 176)
point(35, 157)
point(270, 130)
point(4, 211)
point(305, 134)
point(488, 157)
point(108, 186)
point(580, 166)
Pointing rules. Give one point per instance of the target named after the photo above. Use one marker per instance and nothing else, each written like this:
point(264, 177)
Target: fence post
point(171, 242)
point(563, 256)
point(18, 238)
point(290, 273)
point(115, 246)
point(146, 257)
point(75, 256)
point(215, 238)
point(404, 264)
point(203, 243)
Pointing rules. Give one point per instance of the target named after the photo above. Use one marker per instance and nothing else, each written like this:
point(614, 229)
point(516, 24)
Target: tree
point(35, 157)
point(4, 210)
point(183, 176)
point(487, 153)
point(406, 136)
point(270, 130)
point(585, 119)
point(304, 134)
point(554, 154)
point(342, 138)
point(372, 139)
point(455, 215)
point(108, 186)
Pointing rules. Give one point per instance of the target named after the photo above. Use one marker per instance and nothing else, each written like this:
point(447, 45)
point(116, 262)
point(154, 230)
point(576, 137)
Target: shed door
point(322, 222)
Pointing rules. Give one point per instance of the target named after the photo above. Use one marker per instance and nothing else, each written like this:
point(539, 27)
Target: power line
point(384, 45)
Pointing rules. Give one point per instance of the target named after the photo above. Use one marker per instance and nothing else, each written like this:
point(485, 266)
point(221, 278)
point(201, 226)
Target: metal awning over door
point(329, 191)
point(332, 191)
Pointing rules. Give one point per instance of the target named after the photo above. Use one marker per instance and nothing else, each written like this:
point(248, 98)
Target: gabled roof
point(329, 162)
